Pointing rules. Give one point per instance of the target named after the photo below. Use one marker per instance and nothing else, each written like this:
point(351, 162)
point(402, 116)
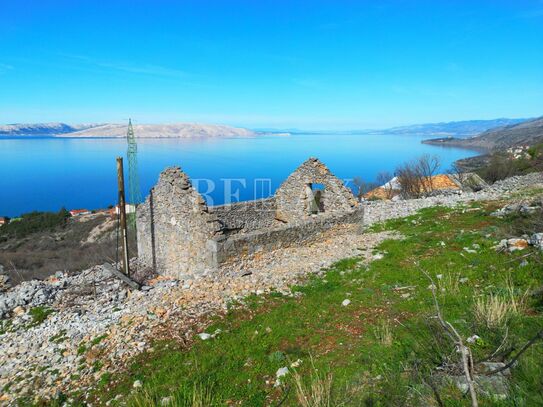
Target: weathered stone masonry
point(294, 195)
point(179, 236)
point(174, 225)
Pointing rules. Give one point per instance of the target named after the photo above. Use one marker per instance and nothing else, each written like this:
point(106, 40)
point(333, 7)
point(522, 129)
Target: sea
point(48, 173)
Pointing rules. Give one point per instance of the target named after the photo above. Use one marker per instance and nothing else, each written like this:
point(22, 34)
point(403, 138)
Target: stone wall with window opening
point(180, 236)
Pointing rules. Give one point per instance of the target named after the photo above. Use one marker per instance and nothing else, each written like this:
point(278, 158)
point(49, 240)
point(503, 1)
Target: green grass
point(39, 314)
point(381, 349)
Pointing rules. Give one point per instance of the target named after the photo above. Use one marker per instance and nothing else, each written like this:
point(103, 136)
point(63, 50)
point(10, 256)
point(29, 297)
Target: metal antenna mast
point(134, 192)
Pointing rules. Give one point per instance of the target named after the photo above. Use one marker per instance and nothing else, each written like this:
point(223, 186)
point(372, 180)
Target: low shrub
point(34, 222)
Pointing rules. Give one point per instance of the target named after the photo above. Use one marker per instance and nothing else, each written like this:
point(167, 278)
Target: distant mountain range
point(458, 130)
point(178, 130)
point(526, 133)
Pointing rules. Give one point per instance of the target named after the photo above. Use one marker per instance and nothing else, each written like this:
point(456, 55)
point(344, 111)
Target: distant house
point(78, 212)
point(3, 220)
point(129, 208)
point(441, 182)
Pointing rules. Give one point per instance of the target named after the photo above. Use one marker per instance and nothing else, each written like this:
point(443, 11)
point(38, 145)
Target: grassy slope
point(380, 348)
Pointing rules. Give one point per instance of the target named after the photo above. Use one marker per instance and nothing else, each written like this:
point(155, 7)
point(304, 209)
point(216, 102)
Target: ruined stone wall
point(235, 247)
point(293, 199)
point(179, 236)
point(174, 225)
point(245, 217)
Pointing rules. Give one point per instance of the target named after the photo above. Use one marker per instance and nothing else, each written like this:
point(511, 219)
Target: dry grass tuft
point(449, 283)
point(383, 332)
point(495, 310)
point(492, 311)
point(318, 393)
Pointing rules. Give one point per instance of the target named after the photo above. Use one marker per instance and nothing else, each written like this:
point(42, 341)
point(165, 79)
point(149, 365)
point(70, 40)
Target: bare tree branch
point(538, 336)
point(457, 339)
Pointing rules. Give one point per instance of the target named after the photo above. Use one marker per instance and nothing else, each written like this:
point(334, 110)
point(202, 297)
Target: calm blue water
point(48, 173)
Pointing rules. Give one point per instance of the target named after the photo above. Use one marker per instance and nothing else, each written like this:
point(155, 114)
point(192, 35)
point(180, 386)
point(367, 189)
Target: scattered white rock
point(346, 302)
point(137, 384)
point(473, 338)
point(511, 245)
point(166, 401)
point(18, 311)
point(204, 336)
point(296, 363)
point(282, 371)
point(536, 240)
point(520, 207)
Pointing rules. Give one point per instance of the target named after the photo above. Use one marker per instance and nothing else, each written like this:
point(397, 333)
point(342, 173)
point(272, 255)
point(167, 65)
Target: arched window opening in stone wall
point(315, 198)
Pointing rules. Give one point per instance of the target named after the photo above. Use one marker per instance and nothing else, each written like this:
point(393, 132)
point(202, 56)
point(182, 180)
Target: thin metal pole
point(122, 215)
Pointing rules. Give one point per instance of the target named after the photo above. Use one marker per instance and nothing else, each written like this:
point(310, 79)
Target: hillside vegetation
point(367, 334)
point(42, 243)
point(525, 133)
point(461, 129)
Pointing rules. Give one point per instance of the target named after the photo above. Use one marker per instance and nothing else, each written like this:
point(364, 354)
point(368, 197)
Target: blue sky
point(304, 64)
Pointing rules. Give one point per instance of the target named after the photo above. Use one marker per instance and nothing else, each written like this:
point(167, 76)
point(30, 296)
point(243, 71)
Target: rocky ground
point(382, 210)
point(67, 332)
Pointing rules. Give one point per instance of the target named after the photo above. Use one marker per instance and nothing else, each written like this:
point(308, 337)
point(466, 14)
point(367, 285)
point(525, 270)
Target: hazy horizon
point(266, 128)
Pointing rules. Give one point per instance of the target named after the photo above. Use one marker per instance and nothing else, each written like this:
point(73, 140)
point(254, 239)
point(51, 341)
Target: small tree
point(409, 181)
point(416, 177)
point(426, 167)
point(363, 187)
point(383, 179)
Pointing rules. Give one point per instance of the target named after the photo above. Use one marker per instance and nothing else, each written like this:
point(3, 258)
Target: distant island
point(177, 130)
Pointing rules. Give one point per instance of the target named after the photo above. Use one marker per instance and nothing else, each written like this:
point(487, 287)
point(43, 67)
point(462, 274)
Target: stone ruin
point(181, 237)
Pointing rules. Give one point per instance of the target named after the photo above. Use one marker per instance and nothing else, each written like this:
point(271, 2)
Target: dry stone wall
point(174, 225)
point(294, 195)
point(236, 247)
point(245, 217)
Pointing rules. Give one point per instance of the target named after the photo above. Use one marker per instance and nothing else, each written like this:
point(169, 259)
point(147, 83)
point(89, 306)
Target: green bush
point(34, 222)
point(502, 166)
